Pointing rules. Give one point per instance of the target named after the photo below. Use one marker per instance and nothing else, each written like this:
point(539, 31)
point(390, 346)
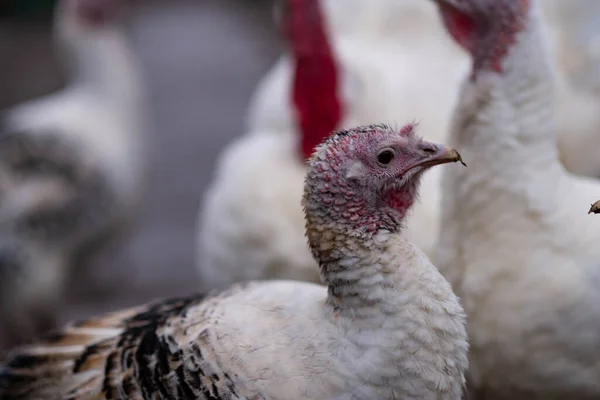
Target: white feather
point(516, 242)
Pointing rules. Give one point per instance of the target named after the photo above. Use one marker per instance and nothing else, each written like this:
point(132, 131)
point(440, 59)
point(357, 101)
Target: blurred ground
point(202, 60)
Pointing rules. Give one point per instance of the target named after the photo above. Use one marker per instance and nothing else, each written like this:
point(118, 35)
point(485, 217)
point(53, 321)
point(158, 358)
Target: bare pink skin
point(95, 13)
point(365, 179)
point(486, 29)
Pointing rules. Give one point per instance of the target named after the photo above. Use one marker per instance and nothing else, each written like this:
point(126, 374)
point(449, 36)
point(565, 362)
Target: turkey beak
point(595, 209)
point(431, 154)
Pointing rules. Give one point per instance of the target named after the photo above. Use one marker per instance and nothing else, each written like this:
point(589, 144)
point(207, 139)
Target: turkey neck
point(367, 280)
point(382, 295)
point(371, 274)
point(504, 127)
point(98, 61)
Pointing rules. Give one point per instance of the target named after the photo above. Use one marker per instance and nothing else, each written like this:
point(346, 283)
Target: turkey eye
point(385, 156)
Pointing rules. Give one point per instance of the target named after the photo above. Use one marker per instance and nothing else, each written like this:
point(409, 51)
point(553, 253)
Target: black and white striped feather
point(139, 353)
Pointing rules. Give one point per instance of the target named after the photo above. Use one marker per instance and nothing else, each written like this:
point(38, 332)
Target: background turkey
point(71, 167)
point(514, 243)
point(190, 54)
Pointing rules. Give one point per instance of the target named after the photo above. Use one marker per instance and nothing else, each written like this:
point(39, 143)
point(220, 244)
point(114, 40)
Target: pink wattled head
point(365, 179)
point(94, 13)
point(485, 28)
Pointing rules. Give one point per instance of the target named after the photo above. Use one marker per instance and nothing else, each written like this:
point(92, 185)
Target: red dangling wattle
point(315, 85)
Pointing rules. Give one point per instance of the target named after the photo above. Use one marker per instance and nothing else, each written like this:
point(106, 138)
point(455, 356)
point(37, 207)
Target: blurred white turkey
point(514, 242)
point(70, 165)
point(387, 326)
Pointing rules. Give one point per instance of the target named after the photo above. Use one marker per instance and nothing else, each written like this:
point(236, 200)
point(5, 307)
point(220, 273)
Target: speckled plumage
point(515, 241)
point(387, 327)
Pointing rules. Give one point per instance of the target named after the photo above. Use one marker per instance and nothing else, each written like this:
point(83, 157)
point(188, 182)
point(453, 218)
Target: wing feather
point(118, 356)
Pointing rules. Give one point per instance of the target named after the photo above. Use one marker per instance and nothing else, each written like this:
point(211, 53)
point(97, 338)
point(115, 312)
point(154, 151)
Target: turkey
point(70, 166)
point(513, 242)
point(595, 208)
point(388, 53)
point(387, 326)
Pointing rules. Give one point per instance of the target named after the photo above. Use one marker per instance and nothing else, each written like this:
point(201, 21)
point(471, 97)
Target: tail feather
point(69, 365)
point(91, 359)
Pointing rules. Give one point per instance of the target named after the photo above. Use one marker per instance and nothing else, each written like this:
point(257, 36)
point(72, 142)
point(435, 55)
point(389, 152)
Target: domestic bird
point(513, 241)
point(70, 166)
point(387, 326)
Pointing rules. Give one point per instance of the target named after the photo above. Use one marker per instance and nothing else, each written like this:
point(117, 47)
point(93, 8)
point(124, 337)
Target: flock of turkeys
point(334, 264)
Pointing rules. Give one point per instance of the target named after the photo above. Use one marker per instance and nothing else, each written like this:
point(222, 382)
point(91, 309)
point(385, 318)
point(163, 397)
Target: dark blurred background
point(201, 60)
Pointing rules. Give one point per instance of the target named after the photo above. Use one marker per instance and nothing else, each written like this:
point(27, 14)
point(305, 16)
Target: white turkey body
point(514, 242)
